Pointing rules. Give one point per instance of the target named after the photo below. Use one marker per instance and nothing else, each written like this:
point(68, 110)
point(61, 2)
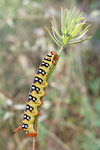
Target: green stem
point(53, 68)
point(60, 52)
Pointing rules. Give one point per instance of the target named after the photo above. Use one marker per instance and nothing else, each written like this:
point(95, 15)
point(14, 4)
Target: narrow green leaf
point(82, 31)
point(79, 18)
point(81, 35)
point(64, 23)
point(72, 15)
point(78, 27)
point(53, 31)
point(70, 19)
point(73, 23)
point(73, 26)
point(56, 28)
point(61, 19)
point(67, 19)
point(85, 29)
point(79, 41)
point(52, 36)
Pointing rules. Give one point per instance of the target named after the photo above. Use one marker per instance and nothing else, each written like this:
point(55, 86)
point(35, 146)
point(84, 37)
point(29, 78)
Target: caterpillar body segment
point(31, 109)
point(40, 81)
point(37, 91)
point(31, 120)
point(36, 100)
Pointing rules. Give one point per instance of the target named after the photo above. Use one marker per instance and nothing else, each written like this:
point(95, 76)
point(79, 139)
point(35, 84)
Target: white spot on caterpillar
point(47, 65)
point(40, 80)
point(33, 87)
point(30, 108)
point(28, 118)
point(36, 78)
point(23, 126)
point(30, 97)
point(24, 115)
point(26, 132)
point(27, 106)
point(26, 126)
point(33, 98)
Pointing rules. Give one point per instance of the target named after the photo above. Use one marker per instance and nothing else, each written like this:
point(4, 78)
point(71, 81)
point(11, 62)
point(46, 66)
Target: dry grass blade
point(59, 141)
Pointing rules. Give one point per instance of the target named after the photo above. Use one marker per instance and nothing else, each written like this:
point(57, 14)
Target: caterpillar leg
point(18, 129)
point(54, 63)
point(44, 94)
point(41, 103)
point(38, 114)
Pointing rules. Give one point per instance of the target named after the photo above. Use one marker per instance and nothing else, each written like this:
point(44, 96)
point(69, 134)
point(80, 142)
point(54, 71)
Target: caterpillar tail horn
point(18, 129)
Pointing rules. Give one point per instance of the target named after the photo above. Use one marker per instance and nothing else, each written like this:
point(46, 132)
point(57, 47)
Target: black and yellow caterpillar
point(37, 91)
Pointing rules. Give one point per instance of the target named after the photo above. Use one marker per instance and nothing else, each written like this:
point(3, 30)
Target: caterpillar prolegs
point(37, 91)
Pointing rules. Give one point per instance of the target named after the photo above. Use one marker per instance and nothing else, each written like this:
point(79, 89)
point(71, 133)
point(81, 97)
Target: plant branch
point(70, 28)
point(53, 68)
point(35, 125)
point(34, 143)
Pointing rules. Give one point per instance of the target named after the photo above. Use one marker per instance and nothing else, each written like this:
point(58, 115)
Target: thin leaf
point(78, 27)
point(82, 31)
point(52, 36)
point(85, 29)
point(82, 35)
point(64, 22)
point(67, 19)
point(71, 15)
point(73, 23)
point(79, 41)
point(61, 19)
point(76, 20)
point(79, 18)
point(70, 19)
point(53, 31)
point(56, 28)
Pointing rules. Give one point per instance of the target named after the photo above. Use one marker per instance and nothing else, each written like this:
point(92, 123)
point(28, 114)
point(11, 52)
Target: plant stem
point(34, 143)
point(53, 68)
point(36, 119)
point(35, 128)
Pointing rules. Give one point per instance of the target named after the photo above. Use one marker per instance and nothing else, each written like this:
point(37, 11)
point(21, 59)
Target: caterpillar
point(37, 91)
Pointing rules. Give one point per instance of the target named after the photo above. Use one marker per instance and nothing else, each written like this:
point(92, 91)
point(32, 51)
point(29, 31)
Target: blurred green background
point(69, 118)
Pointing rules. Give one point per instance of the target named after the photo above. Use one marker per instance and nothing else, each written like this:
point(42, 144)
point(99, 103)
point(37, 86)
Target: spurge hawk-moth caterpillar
point(37, 91)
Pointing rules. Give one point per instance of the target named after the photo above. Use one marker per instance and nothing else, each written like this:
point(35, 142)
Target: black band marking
point(51, 52)
point(49, 55)
point(45, 64)
point(48, 59)
point(26, 117)
point(34, 88)
point(37, 79)
point(30, 97)
point(24, 126)
point(41, 71)
point(28, 107)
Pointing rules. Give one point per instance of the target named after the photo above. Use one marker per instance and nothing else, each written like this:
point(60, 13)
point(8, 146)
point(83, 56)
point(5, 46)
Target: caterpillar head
point(55, 55)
